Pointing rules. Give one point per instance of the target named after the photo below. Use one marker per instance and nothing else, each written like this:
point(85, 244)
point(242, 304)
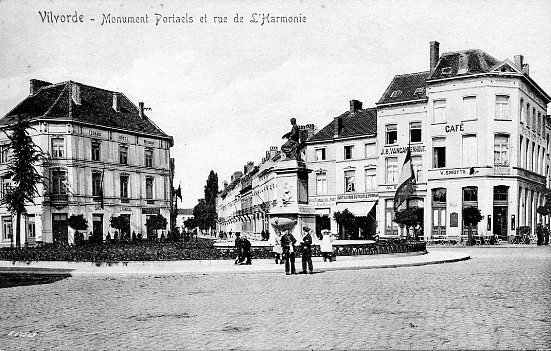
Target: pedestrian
point(306, 251)
point(246, 247)
point(326, 247)
point(239, 247)
point(276, 249)
point(287, 245)
point(231, 234)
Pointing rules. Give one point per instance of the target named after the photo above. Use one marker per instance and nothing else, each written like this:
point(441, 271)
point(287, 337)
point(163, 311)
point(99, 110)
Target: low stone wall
point(380, 247)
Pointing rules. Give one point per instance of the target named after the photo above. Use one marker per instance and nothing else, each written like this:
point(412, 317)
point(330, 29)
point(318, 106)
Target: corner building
point(479, 134)
point(105, 158)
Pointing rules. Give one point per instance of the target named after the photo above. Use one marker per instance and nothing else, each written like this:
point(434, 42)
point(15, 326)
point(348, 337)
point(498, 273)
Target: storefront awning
point(359, 209)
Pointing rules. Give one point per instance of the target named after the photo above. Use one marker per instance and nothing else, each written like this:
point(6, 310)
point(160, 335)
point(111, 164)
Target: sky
point(226, 91)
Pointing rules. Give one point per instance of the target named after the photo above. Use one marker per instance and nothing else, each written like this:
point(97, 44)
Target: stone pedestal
point(292, 211)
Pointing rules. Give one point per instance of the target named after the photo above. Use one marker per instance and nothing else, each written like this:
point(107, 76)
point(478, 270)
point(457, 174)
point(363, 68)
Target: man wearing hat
point(306, 251)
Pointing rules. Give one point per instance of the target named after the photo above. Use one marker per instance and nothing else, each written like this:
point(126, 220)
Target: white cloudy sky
point(226, 91)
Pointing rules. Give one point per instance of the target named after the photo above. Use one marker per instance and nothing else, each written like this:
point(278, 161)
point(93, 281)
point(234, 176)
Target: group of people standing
point(284, 250)
point(243, 245)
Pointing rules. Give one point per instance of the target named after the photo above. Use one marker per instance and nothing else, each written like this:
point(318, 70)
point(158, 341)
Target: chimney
point(141, 109)
point(273, 151)
point(75, 93)
point(225, 185)
point(36, 84)
point(337, 125)
point(355, 105)
point(519, 60)
point(526, 69)
point(116, 102)
point(434, 54)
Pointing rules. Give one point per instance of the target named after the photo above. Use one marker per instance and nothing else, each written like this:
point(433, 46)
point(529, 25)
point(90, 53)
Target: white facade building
point(105, 158)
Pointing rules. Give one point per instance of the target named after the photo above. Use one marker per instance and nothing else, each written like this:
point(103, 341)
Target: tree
point(117, 222)
point(471, 217)
point(77, 222)
point(200, 213)
point(25, 155)
point(347, 220)
point(211, 192)
point(410, 218)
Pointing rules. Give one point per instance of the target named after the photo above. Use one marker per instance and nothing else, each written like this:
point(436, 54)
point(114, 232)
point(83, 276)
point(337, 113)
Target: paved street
point(500, 299)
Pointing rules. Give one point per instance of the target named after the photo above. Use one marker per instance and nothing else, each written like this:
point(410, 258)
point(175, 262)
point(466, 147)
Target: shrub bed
point(203, 249)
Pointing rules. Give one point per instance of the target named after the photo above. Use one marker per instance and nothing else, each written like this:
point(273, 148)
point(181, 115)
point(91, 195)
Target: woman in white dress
point(326, 247)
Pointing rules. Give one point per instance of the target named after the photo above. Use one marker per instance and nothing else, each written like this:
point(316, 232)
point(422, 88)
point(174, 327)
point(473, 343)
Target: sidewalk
point(227, 266)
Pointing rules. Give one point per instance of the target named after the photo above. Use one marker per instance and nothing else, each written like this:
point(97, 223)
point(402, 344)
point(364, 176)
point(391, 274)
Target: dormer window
point(395, 93)
point(446, 70)
point(419, 91)
point(462, 65)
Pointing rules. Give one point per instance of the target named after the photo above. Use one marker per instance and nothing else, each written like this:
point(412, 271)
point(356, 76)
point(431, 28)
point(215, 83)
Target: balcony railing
point(59, 199)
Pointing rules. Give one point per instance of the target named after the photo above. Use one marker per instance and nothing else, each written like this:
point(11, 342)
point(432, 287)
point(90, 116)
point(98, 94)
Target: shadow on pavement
point(10, 280)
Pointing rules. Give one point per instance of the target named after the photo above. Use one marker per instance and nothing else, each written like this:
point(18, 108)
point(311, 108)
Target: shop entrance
point(125, 230)
point(500, 222)
point(97, 226)
point(60, 229)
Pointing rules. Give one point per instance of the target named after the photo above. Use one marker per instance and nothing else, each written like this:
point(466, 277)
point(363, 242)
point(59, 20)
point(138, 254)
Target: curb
point(198, 268)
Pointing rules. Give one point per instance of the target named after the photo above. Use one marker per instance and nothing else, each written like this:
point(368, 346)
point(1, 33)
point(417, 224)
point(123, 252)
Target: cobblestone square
point(500, 299)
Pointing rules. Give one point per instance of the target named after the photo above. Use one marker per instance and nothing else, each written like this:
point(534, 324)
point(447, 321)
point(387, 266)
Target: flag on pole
point(177, 192)
point(406, 183)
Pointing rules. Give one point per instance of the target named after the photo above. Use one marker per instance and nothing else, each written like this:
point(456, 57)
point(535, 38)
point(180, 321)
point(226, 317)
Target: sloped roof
point(475, 60)
point(55, 101)
point(406, 87)
point(361, 122)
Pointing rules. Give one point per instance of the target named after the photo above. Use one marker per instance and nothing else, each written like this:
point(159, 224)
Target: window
point(470, 194)
point(149, 188)
point(391, 134)
point(470, 151)
point(370, 179)
point(7, 228)
point(96, 150)
point(502, 107)
point(4, 149)
point(527, 115)
point(501, 193)
point(320, 154)
point(123, 154)
point(149, 157)
point(6, 186)
point(31, 229)
point(439, 111)
point(538, 119)
point(501, 150)
point(469, 108)
point(58, 148)
point(534, 118)
point(58, 183)
point(439, 195)
point(96, 184)
point(370, 150)
point(349, 181)
point(415, 132)
point(124, 187)
point(321, 183)
point(417, 164)
point(391, 227)
point(348, 151)
point(419, 91)
point(522, 111)
point(438, 153)
point(391, 170)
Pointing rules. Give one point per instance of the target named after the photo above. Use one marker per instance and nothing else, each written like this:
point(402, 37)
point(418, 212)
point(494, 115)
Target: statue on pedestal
point(290, 148)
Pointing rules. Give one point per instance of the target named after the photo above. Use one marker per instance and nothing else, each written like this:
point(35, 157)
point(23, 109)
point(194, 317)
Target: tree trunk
point(18, 230)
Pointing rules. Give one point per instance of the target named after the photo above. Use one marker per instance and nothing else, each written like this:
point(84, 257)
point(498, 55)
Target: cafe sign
point(151, 211)
point(323, 201)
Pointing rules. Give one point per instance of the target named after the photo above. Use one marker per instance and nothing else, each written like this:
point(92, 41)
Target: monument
point(292, 211)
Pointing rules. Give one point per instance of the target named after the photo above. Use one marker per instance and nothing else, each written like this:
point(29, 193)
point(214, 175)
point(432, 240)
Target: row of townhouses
point(105, 158)
point(478, 131)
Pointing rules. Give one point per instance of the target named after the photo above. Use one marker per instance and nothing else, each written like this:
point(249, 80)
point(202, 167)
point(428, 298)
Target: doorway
point(60, 229)
point(500, 222)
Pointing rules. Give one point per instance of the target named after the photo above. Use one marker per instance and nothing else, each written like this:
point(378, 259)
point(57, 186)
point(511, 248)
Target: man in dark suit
point(287, 244)
point(246, 246)
point(306, 251)
point(239, 247)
